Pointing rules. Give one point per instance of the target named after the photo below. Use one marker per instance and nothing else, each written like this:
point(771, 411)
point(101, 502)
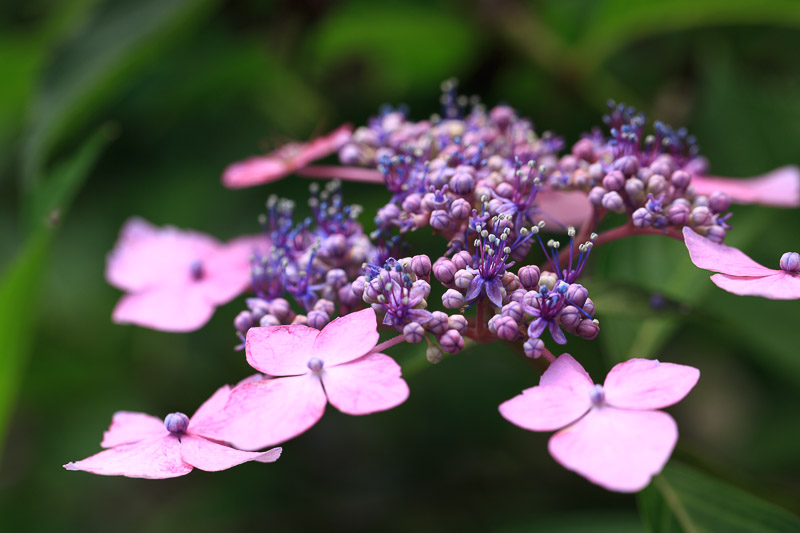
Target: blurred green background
point(134, 107)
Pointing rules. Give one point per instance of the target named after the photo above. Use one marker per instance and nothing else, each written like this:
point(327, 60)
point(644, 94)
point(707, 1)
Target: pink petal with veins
point(347, 338)
point(284, 160)
point(615, 448)
point(568, 373)
point(779, 188)
point(545, 408)
point(280, 350)
point(647, 384)
point(269, 412)
point(367, 385)
point(776, 286)
point(212, 457)
point(167, 309)
point(127, 427)
point(155, 458)
point(720, 257)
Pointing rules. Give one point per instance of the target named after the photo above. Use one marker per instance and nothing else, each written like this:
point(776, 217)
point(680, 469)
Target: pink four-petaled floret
point(175, 278)
point(144, 446)
point(307, 368)
point(612, 434)
point(739, 274)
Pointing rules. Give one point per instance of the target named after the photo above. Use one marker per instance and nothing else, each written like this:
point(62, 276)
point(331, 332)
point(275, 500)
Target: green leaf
point(681, 499)
point(116, 39)
point(21, 282)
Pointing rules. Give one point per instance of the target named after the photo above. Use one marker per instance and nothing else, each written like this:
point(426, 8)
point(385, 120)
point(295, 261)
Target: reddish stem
point(629, 230)
point(388, 344)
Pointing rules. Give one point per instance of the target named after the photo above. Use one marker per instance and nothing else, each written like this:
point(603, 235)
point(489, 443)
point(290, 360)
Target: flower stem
point(388, 344)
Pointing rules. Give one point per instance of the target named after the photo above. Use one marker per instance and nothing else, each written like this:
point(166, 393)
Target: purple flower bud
point(317, 319)
point(596, 172)
point(510, 282)
point(326, 306)
point(280, 308)
point(350, 154)
point(584, 149)
point(438, 323)
point(463, 279)
point(460, 209)
point(462, 183)
point(336, 278)
point(588, 306)
point(315, 364)
point(588, 329)
point(507, 328)
point(504, 189)
point(634, 188)
point(334, 246)
point(433, 354)
point(680, 179)
point(502, 116)
point(716, 233)
point(529, 277)
point(663, 165)
point(719, 202)
point(678, 214)
point(426, 287)
point(642, 218)
point(176, 423)
point(701, 216)
point(358, 286)
point(790, 262)
point(462, 259)
point(444, 270)
point(548, 279)
point(517, 295)
point(596, 195)
point(451, 341)
point(421, 266)
point(577, 294)
point(656, 184)
point(492, 324)
point(452, 299)
point(628, 164)
point(613, 202)
point(614, 181)
point(580, 179)
point(387, 215)
point(299, 319)
point(411, 203)
point(347, 297)
point(534, 348)
point(413, 332)
point(597, 395)
point(458, 323)
point(244, 321)
point(570, 317)
point(268, 321)
point(440, 220)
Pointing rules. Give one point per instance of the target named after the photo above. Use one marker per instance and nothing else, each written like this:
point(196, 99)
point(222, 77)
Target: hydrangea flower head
point(141, 445)
point(285, 160)
point(739, 274)
point(175, 278)
point(307, 368)
point(612, 434)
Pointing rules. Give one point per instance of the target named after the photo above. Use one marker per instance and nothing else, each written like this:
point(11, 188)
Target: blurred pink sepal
point(307, 368)
point(613, 435)
point(779, 188)
point(140, 445)
point(739, 274)
point(285, 160)
point(174, 278)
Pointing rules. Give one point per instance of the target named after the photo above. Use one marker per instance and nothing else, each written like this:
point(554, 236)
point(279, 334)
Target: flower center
point(315, 364)
point(176, 423)
point(196, 270)
point(790, 262)
point(597, 395)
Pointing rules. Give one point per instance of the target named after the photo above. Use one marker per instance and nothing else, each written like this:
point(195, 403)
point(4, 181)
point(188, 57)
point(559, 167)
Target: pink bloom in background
point(306, 369)
point(612, 434)
point(175, 278)
point(779, 188)
point(741, 275)
point(141, 445)
point(285, 160)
